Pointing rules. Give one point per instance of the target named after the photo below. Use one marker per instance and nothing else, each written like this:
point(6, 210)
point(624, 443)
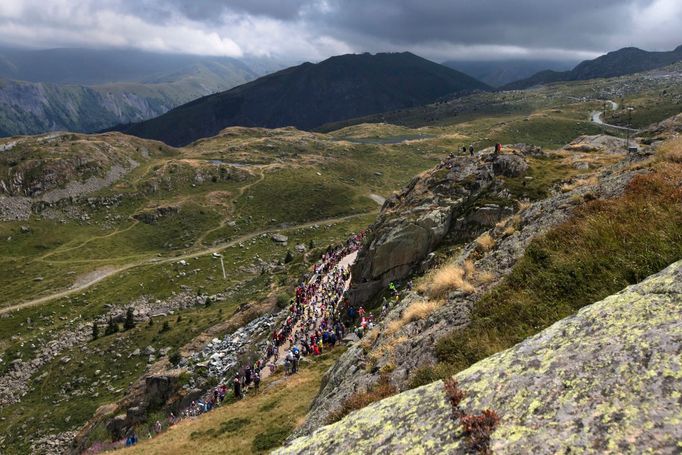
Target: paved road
point(595, 117)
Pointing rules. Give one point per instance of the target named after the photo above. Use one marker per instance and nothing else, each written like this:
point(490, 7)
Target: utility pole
point(627, 140)
point(222, 264)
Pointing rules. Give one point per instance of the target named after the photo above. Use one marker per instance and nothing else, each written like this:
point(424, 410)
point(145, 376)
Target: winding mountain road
point(596, 118)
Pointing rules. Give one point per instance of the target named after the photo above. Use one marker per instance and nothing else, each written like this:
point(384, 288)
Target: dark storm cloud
point(572, 24)
point(211, 11)
point(314, 29)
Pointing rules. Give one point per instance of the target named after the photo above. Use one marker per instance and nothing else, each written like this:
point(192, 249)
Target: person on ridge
point(237, 387)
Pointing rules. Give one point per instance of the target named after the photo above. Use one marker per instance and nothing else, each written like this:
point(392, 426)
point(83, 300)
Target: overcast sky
point(316, 29)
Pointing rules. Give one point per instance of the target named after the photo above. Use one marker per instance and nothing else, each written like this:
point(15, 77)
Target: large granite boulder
point(412, 224)
point(510, 165)
point(606, 380)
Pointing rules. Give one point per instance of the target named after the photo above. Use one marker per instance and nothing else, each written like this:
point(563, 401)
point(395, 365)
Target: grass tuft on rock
point(606, 246)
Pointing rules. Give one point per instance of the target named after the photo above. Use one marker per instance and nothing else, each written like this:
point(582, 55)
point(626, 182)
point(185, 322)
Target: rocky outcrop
point(152, 216)
point(399, 354)
point(415, 221)
point(602, 143)
point(509, 165)
point(606, 380)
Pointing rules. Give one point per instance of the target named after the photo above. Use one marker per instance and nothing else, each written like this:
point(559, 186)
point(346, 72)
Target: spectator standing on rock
point(256, 381)
point(498, 149)
point(471, 150)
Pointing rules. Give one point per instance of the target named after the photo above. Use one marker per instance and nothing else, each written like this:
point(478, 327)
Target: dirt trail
point(96, 278)
point(377, 198)
point(230, 212)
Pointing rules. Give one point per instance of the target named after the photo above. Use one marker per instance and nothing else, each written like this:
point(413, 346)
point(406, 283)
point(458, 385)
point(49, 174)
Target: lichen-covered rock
point(510, 165)
point(598, 143)
point(412, 224)
point(606, 380)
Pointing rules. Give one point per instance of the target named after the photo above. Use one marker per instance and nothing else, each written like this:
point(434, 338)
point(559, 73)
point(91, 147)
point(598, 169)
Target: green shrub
point(112, 327)
point(175, 358)
point(283, 300)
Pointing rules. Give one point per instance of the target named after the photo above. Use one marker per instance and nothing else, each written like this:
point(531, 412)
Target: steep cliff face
point(607, 380)
point(415, 221)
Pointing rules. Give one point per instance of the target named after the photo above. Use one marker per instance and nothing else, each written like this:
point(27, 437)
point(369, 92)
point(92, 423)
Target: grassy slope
point(267, 418)
point(606, 246)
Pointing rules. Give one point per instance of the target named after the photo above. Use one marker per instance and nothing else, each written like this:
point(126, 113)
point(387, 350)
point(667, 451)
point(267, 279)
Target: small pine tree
point(311, 244)
point(151, 322)
point(289, 257)
point(166, 327)
point(130, 320)
point(207, 302)
point(112, 327)
point(179, 319)
point(95, 331)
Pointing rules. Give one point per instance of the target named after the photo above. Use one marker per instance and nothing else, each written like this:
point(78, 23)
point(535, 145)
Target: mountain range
point(624, 61)
point(497, 73)
point(310, 95)
point(88, 90)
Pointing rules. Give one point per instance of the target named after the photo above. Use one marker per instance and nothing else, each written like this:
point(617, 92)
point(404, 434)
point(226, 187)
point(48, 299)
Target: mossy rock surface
point(606, 380)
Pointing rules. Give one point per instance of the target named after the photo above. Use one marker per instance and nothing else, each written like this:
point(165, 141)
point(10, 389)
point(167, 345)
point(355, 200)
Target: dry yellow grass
point(672, 151)
point(281, 405)
point(469, 269)
point(485, 242)
point(524, 205)
point(393, 326)
point(592, 180)
point(386, 348)
point(485, 277)
point(369, 339)
point(421, 310)
point(509, 230)
point(447, 278)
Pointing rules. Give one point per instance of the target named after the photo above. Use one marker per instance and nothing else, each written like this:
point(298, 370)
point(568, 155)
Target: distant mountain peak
point(627, 60)
point(310, 95)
